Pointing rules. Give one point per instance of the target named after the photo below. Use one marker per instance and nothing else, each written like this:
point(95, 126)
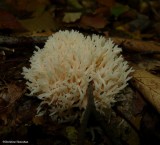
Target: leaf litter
point(132, 25)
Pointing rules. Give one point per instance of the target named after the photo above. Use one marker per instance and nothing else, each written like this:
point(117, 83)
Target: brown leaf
point(38, 120)
point(14, 92)
point(107, 3)
point(157, 27)
point(138, 104)
point(105, 7)
point(8, 95)
point(102, 11)
point(137, 45)
point(71, 17)
point(26, 110)
point(40, 23)
point(148, 64)
point(93, 21)
point(8, 21)
point(26, 5)
point(149, 85)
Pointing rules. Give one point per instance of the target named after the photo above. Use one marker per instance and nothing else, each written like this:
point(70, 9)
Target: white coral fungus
point(59, 73)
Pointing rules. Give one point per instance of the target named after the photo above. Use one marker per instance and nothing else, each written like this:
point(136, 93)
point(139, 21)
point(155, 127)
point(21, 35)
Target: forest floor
point(133, 25)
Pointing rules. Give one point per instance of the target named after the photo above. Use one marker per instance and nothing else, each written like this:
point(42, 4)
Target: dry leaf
point(149, 85)
point(26, 5)
point(107, 3)
point(149, 64)
point(137, 45)
point(41, 23)
point(119, 9)
point(93, 21)
point(8, 95)
point(8, 21)
point(71, 17)
point(102, 11)
point(38, 120)
point(104, 7)
point(75, 4)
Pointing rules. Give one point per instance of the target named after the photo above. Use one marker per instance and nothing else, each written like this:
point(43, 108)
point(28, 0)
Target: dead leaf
point(26, 5)
point(14, 92)
point(138, 45)
point(157, 27)
point(41, 23)
point(8, 95)
point(94, 21)
point(119, 9)
point(142, 22)
point(38, 120)
point(107, 3)
point(149, 64)
point(8, 21)
point(102, 11)
point(75, 4)
point(71, 17)
point(135, 27)
point(26, 110)
point(124, 29)
point(72, 134)
point(149, 85)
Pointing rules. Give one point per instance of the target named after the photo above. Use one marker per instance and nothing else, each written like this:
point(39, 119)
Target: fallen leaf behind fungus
point(71, 17)
point(137, 45)
point(93, 21)
point(149, 85)
point(41, 23)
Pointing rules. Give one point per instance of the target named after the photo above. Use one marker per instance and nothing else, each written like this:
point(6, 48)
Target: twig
point(87, 113)
point(91, 110)
point(6, 49)
point(12, 41)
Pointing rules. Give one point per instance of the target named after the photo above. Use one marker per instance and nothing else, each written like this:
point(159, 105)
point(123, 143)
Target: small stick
point(87, 113)
point(91, 110)
point(12, 41)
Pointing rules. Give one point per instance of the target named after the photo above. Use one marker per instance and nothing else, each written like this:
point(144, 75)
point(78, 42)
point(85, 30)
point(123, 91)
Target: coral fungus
point(59, 73)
